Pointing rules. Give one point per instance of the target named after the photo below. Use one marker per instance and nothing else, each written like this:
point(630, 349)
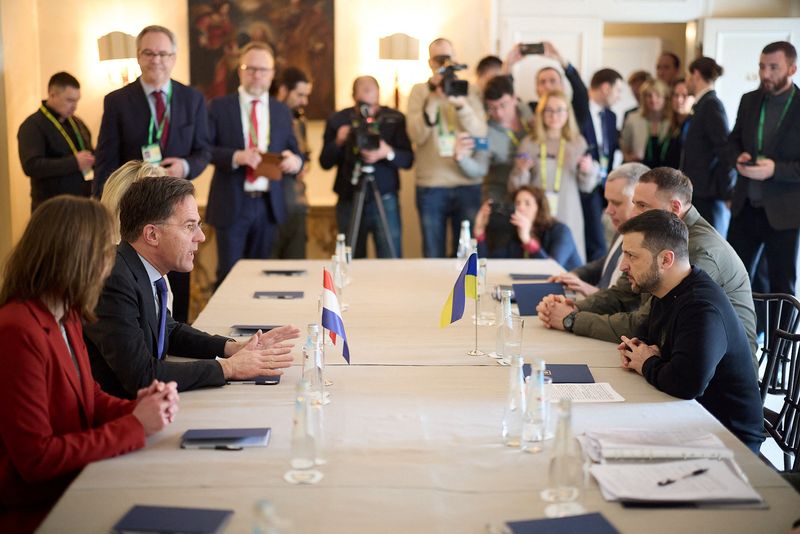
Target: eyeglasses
point(255, 70)
point(150, 55)
point(190, 228)
point(551, 111)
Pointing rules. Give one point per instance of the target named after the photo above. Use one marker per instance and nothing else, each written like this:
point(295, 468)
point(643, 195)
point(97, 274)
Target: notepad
point(228, 438)
point(270, 166)
point(595, 523)
point(565, 373)
point(526, 276)
point(283, 295)
point(285, 272)
point(166, 519)
point(239, 330)
point(530, 295)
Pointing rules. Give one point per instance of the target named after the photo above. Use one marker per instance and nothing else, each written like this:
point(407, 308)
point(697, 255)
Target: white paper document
point(622, 444)
point(694, 481)
point(597, 392)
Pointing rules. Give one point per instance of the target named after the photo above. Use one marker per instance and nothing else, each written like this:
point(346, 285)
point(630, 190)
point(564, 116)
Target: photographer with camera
point(524, 230)
point(368, 141)
point(437, 111)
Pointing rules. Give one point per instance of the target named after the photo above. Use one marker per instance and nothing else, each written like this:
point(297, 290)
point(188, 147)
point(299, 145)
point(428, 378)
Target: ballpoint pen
point(694, 473)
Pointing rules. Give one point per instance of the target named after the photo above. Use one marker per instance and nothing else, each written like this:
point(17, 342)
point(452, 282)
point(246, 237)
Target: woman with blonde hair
point(55, 418)
point(119, 182)
point(554, 158)
point(646, 135)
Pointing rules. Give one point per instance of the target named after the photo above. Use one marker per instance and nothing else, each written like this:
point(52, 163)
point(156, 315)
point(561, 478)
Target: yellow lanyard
point(559, 165)
point(63, 132)
point(446, 117)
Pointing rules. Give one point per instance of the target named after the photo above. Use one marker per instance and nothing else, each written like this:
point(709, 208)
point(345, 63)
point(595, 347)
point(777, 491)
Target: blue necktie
point(611, 266)
point(161, 286)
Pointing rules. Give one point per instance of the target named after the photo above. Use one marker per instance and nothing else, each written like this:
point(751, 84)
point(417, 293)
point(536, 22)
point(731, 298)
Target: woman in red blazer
point(54, 419)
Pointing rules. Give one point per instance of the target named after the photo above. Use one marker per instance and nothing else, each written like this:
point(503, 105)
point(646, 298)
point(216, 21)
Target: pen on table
point(221, 448)
point(694, 473)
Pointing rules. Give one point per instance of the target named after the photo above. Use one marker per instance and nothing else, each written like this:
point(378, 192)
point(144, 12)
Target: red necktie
point(161, 108)
point(252, 139)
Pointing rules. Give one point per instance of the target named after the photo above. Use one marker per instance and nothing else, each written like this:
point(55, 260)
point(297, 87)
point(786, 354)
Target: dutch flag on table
point(466, 286)
point(331, 315)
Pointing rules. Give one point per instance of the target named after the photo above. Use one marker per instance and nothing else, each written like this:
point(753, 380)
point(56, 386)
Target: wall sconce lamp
point(118, 49)
point(398, 47)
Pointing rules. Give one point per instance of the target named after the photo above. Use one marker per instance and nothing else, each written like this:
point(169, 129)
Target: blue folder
point(529, 296)
point(595, 523)
point(225, 438)
point(565, 373)
point(166, 519)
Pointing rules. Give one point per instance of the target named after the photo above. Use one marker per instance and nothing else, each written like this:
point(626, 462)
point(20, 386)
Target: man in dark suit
point(244, 207)
point(129, 343)
point(600, 131)
point(55, 146)
point(765, 216)
point(158, 120)
point(704, 157)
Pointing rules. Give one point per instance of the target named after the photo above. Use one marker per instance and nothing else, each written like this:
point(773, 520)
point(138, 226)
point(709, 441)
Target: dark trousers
point(249, 237)
point(752, 236)
point(715, 212)
point(592, 204)
point(290, 243)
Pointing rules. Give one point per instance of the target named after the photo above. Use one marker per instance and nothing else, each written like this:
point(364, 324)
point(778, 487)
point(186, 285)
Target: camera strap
point(559, 164)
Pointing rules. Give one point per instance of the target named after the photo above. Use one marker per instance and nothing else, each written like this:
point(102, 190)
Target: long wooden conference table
point(412, 435)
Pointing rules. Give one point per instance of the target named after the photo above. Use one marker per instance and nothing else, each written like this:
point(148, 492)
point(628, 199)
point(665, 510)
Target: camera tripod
point(365, 173)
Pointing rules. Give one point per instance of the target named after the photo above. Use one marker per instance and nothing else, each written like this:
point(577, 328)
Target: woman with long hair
point(554, 158)
point(55, 419)
point(645, 136)
point(529, 231)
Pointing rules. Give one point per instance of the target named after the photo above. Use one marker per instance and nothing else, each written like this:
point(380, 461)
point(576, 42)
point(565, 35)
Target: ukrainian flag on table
point(466, 286)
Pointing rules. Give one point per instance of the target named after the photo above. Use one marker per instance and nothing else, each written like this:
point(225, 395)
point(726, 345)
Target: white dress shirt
point(262, 113)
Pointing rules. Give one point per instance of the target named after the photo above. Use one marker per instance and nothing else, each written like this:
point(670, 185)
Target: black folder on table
point(286, 295)
point(284, 272)
point(225, 438)
point(529, 296)
point(565, 373)
point(526, 276)
point(165, 519)
point(595, 523)
point(250, 329)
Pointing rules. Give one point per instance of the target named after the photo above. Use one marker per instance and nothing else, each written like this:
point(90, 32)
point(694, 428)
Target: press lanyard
point(559, 165)
point(661, 143)
point(63, 132)
point(440, 120)
point(513, 136)
point(160, 130)
point(760, 132)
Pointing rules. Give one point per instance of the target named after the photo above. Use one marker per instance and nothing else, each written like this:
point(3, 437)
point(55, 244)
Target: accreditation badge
point(88, 175)
point(603, 167)
point(552, 202)
point(447, 145)
point(152, 153)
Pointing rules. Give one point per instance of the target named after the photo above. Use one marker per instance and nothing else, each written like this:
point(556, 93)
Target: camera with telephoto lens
point(450, 84)
point(366, 129)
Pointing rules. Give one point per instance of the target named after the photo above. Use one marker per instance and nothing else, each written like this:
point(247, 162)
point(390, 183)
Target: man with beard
point(620, 310)
point(692, 346)
point(765, 219)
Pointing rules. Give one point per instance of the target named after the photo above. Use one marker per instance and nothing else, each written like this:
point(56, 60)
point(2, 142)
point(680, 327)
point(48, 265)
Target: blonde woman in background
point(554, 158)
point(119, 182)
point(646, 135)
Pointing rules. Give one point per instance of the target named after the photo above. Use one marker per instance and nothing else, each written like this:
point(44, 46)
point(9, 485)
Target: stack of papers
point(599, 392)
point(695, 482)
point(653, 445)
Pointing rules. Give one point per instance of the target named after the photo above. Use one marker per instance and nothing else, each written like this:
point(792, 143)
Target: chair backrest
point(784, 425)
point(775, 311)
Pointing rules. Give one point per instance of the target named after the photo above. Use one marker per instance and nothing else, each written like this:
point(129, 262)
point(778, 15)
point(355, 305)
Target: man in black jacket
point(345, 131)
point(55, 146)
point(766, 139)
point(693, 345)
point(129, 343)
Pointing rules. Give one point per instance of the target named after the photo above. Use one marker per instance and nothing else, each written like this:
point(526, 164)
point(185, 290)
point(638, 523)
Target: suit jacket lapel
point(75, 335)
point(144, 287)
point(788, 120)
point(177, 118)
point(236, 113)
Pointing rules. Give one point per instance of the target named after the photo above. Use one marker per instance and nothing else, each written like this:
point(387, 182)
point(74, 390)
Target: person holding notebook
point(55, 419)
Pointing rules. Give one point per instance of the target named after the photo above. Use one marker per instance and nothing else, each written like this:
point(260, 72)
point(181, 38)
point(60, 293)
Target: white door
point(736, 45)
point(626, 55)
point(578, 40)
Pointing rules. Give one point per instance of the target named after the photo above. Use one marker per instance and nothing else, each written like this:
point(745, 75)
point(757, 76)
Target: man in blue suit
point(246, 208)
point(600, 131)
point(158, 120)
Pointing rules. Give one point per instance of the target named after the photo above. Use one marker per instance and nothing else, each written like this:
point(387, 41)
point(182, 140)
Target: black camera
point(450, 84)
point(366, 129)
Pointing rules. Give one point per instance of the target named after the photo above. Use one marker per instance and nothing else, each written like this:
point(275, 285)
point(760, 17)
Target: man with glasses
point(158, 120)
point(245, 206)
point(134, 333)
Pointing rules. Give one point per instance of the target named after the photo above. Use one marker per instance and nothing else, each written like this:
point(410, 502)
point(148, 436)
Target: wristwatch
point(569, 321)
